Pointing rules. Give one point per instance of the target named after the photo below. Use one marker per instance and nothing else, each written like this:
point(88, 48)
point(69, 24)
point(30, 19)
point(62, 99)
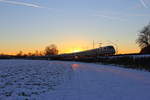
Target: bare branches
point(51, 50)
point(144, 37)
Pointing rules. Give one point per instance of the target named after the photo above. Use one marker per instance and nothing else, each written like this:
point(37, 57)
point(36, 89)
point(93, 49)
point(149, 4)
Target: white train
point(92, 53)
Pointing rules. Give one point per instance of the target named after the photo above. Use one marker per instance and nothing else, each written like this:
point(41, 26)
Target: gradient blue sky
point(30, 25)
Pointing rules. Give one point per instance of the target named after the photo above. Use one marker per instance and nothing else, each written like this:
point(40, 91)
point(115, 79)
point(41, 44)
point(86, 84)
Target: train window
point(104, 49)
point(110, 47)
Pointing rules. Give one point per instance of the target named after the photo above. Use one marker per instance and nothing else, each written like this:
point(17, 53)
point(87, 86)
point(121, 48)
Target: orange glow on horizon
point(77, 50)
point(68, 48)
point(72, 50)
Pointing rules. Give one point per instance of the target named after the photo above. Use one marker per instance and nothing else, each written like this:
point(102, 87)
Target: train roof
point(109, 46)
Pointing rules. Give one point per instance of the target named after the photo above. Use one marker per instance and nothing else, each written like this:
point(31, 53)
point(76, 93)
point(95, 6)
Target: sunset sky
point(30, 25)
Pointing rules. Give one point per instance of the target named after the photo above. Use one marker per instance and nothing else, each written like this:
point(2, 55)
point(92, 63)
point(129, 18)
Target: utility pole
point(100, 44)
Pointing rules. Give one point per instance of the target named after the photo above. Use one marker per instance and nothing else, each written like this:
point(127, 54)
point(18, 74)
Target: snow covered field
point(25, 79)
point(58, 80)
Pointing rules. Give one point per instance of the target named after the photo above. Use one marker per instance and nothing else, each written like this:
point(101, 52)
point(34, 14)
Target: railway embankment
point(135, 61)
point(141, 62)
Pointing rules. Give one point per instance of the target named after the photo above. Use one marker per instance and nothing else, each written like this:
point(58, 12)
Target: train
point(87, 54)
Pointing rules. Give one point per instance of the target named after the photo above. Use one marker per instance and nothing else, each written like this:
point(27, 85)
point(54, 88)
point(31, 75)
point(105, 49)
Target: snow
point(141, 56)
point(59, 80)
point(122, 56)
point(23, 79)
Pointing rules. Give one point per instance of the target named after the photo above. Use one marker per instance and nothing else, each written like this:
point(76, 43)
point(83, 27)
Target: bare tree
point(51, 50)
point(36, 53)
point(20, 53)
point(144, 37)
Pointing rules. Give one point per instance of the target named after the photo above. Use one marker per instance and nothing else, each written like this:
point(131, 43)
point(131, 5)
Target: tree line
point(49, 50)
